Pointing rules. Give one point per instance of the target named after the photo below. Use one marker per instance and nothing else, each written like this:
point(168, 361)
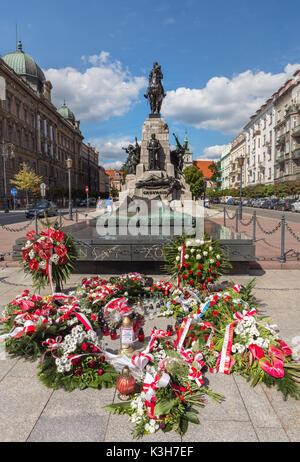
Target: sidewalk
point(31, 412)
point(267, 246)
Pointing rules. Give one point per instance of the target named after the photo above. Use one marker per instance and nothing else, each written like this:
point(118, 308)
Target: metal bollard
point(254, 226)
point(224, 210)
point(36, 222)
point(76, 215)
point(282, 256)
point(236, 221)
point(59, 214)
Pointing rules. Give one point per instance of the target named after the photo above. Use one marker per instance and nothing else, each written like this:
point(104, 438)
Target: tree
point(216, 172)
point(195, 178)
point(114, 192)
point(27, 180)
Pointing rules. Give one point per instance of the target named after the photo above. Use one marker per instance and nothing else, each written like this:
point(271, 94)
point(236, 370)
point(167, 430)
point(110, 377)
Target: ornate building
point(238, 149)
point(43, 136)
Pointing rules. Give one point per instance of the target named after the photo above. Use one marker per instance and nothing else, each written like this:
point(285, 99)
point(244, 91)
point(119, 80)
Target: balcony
point(296, 131)
point(292, 108)
point(280, 140)
point(296, 154)
point(280, 159)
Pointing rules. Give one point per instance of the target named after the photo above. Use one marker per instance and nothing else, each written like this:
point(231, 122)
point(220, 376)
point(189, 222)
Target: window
point(18, 109)
point(25, 115)
point(269, 173)
point(294, 121)
point(8, 103)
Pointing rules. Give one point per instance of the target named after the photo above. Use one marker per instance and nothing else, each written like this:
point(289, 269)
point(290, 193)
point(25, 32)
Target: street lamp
point(5, 155)
point(240, 160)
point(69, 166)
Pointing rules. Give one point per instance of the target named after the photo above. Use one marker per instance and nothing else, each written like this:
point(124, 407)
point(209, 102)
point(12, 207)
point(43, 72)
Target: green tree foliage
point(195, 178)
point(27, 180)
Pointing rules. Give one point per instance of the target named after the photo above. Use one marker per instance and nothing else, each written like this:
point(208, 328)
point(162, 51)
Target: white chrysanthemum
point(177, 258)
point(218, 257)
point(188, 243)
point(198, 256)
point(54, 258)
point(179, 249)
point(186, 257)
point(31, 254)
point(210, 248)
point(205, 253)
point(192, 250)
point(211, 261)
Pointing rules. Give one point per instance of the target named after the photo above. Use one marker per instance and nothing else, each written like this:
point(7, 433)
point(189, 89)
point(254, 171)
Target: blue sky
point(220, 59)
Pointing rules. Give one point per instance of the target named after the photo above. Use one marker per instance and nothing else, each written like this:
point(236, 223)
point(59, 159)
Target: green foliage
point(195, 178)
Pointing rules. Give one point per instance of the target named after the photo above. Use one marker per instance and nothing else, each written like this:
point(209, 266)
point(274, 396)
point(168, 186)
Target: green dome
point(66, 113)
point(26, 67)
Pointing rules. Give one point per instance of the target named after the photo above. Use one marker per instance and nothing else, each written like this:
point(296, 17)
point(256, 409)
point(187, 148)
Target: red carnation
point(215, 313)
point(190, 272)
point(33, 264)
point(93, 363)
point(199, 273)
point(78, 372)
point(30, 235)
point(212, 303)
point(76, 361)
point(184, 276)
point(85, 346)
point(100, 372)
point(178, 266)
point(44, 253)
point(209, 279)
point(186, 265)
point(218, 263)
point(60, 250)
point(200, 266)
point(209, 270)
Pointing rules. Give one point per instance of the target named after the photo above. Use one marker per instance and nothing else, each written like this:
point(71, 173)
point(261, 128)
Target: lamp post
point(241, 160)
point(69, 166)
point(5, 155)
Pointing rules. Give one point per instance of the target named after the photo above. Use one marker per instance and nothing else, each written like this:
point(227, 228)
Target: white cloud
point(213, 152)
point(111, 154)
point(224, 104)
point(103, 90)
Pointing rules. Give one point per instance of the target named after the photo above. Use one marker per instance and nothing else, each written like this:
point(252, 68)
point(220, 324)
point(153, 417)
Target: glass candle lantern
point(126, 336)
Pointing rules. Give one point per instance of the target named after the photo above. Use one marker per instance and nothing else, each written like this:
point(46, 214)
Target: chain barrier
point(231, 218)
point(268, 232)
point(248, 223)
point(13, 230)
point(292, 232)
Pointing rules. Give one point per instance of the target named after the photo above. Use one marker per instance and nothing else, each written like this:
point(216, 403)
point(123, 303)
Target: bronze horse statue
point(155, 92)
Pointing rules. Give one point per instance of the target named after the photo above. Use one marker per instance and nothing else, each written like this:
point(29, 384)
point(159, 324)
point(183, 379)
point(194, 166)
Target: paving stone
point(71, 428)
point(261, 412)
point(287, 411)
point(217, 432)
point(294, 435)
point(24, 368)
point(77, 402)
point(6, 365)
point(232, 408)
point(272, 435)
point(21, 402)
point(124, 428)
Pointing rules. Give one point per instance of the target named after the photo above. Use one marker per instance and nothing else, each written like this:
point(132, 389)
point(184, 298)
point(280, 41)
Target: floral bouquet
point(49, 257)
point(195, 262)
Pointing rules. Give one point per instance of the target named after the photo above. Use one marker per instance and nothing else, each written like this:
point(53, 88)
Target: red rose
point(46, 244)
point(100, 372)
point(209, 270)
point(212, 303)
point(215, 313)
point(78, 372)
point(93, 363)
point(184, 276)
point(178, 266)
point(218, 263)
point(33, 264)
point(30, 235)
point(199, 273)
point(63, 260)
point(186, 265)
point(190, 272)
point(200, 266)
point(93, 317)
point(44, 253)
point(85, 346)
point(76, 361)
point(209, 279)
point(26, 256)
point(60, 250)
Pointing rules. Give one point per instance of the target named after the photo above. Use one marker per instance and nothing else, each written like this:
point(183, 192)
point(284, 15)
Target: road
point(18, 216)
point(292, 217)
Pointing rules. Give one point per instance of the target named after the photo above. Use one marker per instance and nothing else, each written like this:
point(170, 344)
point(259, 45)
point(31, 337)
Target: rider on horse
point(155, 92)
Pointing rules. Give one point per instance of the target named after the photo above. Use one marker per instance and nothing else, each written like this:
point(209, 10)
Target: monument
point(154, 170)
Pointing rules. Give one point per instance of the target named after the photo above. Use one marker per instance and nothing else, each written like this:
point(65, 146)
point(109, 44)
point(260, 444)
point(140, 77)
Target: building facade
point(115, 179)
point(238, 149)
point(225, 167)
point(287, 131)
point(103, 181)
point(43, 136)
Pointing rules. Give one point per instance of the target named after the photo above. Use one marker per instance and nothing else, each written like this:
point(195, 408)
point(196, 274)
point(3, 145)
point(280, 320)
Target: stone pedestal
point(162, 183)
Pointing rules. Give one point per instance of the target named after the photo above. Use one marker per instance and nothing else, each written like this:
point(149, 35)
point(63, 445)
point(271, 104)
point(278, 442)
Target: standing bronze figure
point(155, 91)
point(154, 149)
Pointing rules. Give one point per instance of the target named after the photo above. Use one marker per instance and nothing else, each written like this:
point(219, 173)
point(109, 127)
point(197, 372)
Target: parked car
point(40, 208)
point(230, 201)
point(246, 202)
point(257, 202)
point(296, 206)
point(284, 204)
point(265, 204)
point(272, 203)
point(91, 201)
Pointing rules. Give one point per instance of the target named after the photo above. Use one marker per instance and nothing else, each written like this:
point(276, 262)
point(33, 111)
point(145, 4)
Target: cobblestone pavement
point(32, 412)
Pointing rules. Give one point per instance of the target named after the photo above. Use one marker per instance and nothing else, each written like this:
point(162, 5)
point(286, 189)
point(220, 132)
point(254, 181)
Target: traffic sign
point(13, 191)
point(43, 189)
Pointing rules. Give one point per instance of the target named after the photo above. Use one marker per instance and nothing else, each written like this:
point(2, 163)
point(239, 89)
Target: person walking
point(109, 205)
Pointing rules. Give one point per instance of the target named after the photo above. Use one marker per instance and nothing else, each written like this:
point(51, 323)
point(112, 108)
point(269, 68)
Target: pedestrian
point(109, 205)
point(99, 203)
